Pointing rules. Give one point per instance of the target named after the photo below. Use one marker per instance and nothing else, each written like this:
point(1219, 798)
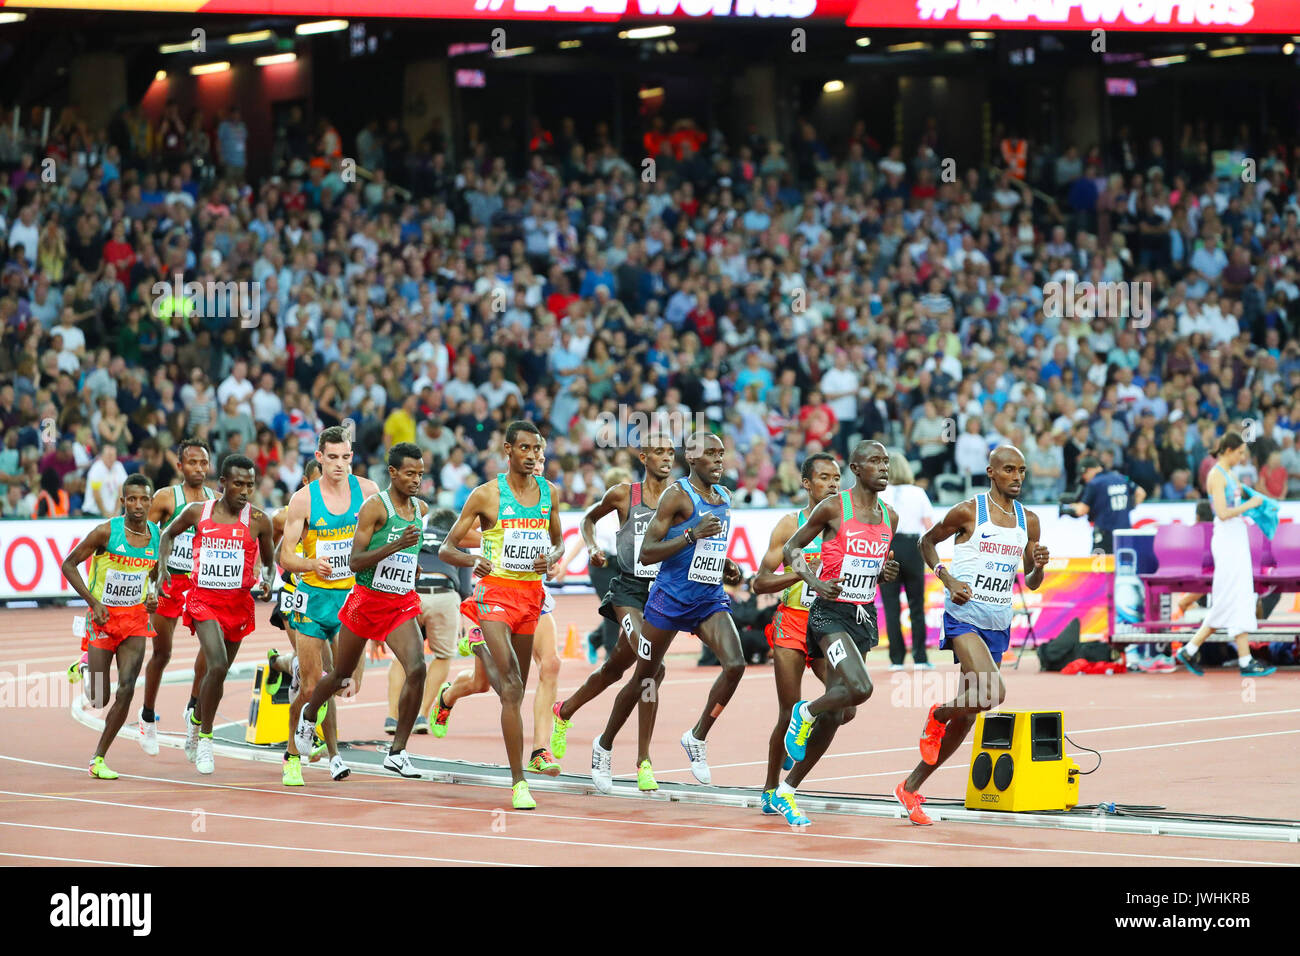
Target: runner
point(123, 552)
point(323, 518)
point(383, 604)
point(624, 603)
point(994, 532)
point(855, 528)
point(787, 634)
point(522, 543)
point(195, 462)
point(688, 534)
point(229, 537)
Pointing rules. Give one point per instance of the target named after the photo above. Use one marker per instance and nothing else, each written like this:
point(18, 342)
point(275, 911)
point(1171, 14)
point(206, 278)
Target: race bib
point(294, 601)
point(639, 570)
point(521, 546)
point(182, 556)
point(338, 552)
point(807, 596)
point(123, 588)
point(396, 573)
point(221, 565)
point(859, 574)
point(708, 560)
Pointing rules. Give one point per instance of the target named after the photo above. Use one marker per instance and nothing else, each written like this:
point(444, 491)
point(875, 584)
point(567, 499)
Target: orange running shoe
point(912, 804)
point(932, 738)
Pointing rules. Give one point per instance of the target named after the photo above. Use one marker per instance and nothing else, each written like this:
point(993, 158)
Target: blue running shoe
point(765, 802)
point(787, 764)
point(796, 735)
point(785, 805)
point(1182, 658)
point(1256, 669)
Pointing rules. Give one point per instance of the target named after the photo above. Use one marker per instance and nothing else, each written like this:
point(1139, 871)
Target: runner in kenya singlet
point(856, 555)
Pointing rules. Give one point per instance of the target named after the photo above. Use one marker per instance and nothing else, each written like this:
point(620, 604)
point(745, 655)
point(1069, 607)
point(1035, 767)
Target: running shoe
point(148, 735)
point(521, 798)
point(765, 802)
point(77, 669)
point(1161, 665)
point(398, 762)
point(932, 737)
point(462, 646)
point(273, 677)
point(1256, 669)
point(697, 751)
point(465, 646)
point(390, 725)
point(99, 770)
point(1192, 666)
point(544, 763)
point(912, 803)
point(318, 750)
point(441, 713)
point(191, 736)
point(292, 776)
point(559, 732)
point(601, 774)
point(645, 777)
point(304, 738)
point(923, 665)
point(203, 761)
point(421, 725)
point(296, 681)
point(783, 803)
point(338, 769)
point(896, 667)
point(787, 764)
point(796, 735)
point(593, 652)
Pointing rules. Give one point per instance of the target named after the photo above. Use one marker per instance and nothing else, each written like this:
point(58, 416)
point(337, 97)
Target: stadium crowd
point(791, 295)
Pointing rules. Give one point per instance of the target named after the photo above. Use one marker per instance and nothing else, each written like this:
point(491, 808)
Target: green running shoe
point(559, 733)
point(292, 773)
point(645, 777)
point(100, 770)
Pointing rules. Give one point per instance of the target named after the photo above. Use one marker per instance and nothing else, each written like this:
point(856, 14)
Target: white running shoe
point(601, 773)
point(400, 763)
point(697, 751)
point(338, 769)
point(305, 736)
point(296, 682)
point(191, 735)
point(148, 735)
point(897, 667)
point(203, 756)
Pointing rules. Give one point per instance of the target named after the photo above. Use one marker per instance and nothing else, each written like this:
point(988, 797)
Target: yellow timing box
point(1019, 763)
point(268, 713)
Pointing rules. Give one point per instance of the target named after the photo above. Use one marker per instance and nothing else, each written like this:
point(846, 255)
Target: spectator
point(104, 483)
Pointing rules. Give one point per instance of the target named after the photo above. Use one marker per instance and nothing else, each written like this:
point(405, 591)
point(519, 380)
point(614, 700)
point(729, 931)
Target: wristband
point(690, 538)
point(939, 569)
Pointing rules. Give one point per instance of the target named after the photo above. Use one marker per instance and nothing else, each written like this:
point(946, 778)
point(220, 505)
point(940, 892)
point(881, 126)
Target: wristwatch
point(939, 569)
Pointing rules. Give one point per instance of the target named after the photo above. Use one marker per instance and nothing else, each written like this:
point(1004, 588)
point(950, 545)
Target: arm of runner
point(450, 549)
point(614, 501)
point(277, 525)
point(792, 551)
point(549, 561)
point(369, 520)
point(889, 572)
point(265, 549)
point(90, 545)
point(953, 523)
point(295, 523)
point(768, 581)
point(160, 506)
point(654, 548)
point(1036, 555)
point(188, 517)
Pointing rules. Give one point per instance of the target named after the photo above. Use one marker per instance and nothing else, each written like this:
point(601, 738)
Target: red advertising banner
point(1174, 16)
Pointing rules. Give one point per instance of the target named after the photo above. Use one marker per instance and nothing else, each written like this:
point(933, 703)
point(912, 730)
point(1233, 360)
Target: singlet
point(1231, 496)
point(329, 536)
point(395, 574)
point(796, 595)
point(181, 560)
point(856, 554)
point(988, 561)
point(694, 574)
point(119, 573)
point(521, 533)
point(630, 535)
point(225, 555)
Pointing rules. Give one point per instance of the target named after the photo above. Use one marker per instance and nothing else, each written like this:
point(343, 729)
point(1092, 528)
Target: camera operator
point(1105, 500)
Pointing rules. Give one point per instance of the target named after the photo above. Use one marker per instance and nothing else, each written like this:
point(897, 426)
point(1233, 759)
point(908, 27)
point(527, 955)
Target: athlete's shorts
point(997, 641)
point(858, 621)
point(516, 604)
point(171, 600)
point(123, 622)
point(441, 615)
point(233, 610)
point(625, 591)
point(665, 612)
point(789, 628)
point(320, 617)
point(374, 614)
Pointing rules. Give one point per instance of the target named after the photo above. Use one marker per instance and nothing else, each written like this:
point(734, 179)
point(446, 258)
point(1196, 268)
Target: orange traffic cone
point(571, 648)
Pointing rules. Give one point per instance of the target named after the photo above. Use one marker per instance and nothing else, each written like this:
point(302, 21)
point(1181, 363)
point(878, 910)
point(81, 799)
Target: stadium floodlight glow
point(1169, 60)
point(982, 35)
point(513, 51)
point(863, 41)
point(12, 17)
point(1228, 51)
point(203, 69)
point(570, 44)
point(1288, 48)
point(1199, 46)
point(273, 58)
point(186, 47)
point(651, 93)
point(908, 47)
point(160, 76)
point(257, 37)
point(320, 26)
point(833, 86)
point(647, 33)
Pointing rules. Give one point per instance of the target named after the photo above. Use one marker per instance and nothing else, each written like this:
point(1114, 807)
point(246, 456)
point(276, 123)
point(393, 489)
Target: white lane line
point(72, 859)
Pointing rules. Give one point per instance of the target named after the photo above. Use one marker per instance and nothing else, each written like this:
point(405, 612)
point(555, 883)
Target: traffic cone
point(571, 648)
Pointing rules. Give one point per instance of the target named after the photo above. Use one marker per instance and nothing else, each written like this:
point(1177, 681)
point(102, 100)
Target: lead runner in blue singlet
point(994, 534)
point(687, 537)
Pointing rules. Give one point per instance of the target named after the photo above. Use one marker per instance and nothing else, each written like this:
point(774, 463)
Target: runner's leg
point(408, 650)
point(548, 674)
point(788, 666)
point(718, 632)
point(507, 675)
point(311, 654)
point(130, 655)
point(647, 669)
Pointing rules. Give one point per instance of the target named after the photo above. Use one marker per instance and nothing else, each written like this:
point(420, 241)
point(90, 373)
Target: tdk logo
point(76, 909)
